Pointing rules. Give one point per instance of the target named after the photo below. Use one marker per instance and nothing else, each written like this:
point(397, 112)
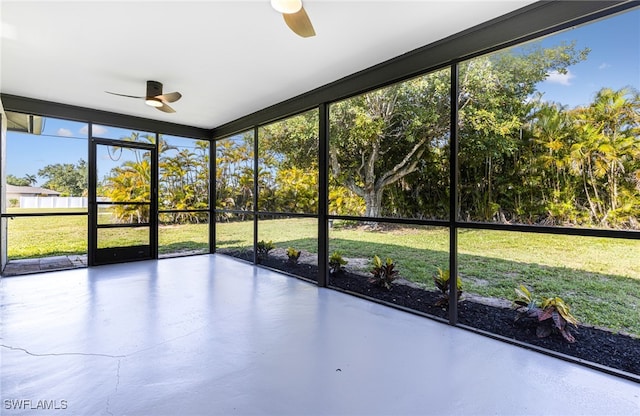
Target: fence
point(53, 202)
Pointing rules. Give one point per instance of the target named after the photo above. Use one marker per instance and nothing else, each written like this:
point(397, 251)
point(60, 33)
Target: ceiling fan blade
point(124, 95)
point(170, 97)
point(300, 23)
point(165, 108)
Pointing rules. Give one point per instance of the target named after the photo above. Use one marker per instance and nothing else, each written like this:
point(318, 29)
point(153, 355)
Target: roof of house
point(30, 190)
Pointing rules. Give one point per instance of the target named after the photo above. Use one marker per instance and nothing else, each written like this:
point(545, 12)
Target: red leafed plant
point(552, 314)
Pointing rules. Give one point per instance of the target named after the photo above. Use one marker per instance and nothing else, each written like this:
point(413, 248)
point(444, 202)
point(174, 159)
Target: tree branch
point(404, 167)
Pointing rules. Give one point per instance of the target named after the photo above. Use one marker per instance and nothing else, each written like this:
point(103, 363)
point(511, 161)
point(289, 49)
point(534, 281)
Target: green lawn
point(33, 237)
point(598, 277)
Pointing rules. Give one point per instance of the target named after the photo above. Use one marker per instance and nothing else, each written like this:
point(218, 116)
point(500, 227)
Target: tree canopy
point(27, 180)
point(381, 137)
point(67, 178)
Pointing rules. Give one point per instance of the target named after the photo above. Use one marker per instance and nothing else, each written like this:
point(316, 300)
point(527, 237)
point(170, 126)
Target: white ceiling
point(227, 58)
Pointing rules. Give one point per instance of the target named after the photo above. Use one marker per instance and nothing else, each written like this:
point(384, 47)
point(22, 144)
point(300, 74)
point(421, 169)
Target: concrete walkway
point(44, 264)
point(209, 335)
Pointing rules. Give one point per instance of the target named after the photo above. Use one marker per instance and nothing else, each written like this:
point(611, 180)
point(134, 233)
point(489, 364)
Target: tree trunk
point(614, 187)
point(373, 202)
point(592, 208)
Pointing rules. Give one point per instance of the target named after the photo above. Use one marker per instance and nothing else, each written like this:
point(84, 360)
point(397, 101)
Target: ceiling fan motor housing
point(154, 88)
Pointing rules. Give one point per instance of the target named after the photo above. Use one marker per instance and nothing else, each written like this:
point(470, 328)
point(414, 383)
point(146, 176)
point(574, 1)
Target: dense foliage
point(576, 166)
point(184, 181)
point(234, 174)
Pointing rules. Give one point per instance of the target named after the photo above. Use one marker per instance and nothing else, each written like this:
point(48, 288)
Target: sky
point(614, 62)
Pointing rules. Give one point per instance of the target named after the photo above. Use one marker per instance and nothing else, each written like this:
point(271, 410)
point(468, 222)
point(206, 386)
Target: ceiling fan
point(295, 17)
point(155, 97)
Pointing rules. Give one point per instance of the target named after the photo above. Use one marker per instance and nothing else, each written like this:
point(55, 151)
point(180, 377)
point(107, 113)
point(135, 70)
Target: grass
point(33, 237)
point(598, 277)
point(183, 238)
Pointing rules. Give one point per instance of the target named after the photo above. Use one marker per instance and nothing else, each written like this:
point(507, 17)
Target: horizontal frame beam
point(82, 114)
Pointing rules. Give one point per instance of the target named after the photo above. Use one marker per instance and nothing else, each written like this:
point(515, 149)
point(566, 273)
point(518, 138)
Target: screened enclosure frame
point(549, 18)
point(535, 21)
point(529, 23)
point(94, 117)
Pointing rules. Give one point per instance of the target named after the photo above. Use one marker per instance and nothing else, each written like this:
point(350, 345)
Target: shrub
point(293, 255)
point(336, 262)
point(263, 248)
point(552, 314)
point(344, 202)
point(441, 279)
point(297, 190)
point(383, 273)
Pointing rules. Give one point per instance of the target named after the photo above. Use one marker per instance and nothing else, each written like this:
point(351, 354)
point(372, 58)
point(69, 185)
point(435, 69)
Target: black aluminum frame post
point(212, 195)
point(323, 194)
point(255, 194)
point(453, 199)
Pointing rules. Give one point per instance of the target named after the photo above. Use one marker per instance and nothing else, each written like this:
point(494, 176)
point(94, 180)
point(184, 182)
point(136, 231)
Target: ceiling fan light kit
point(153, 102)
point(287, 6)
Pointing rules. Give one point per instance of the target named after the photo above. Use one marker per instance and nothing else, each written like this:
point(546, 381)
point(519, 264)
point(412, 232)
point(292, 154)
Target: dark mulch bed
point(306, 266)
point(617, 351)
point(309, 271)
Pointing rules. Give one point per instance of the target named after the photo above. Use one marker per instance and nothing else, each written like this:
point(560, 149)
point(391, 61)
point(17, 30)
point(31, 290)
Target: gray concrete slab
point(210, 335)
point(43, 264)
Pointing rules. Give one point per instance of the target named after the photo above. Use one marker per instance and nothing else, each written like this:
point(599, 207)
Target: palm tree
point(609, 148)
point(552, 132)
point(130, 182)
point(32, 179)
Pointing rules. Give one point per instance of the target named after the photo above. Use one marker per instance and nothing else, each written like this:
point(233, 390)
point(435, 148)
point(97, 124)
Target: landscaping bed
point(307, 265)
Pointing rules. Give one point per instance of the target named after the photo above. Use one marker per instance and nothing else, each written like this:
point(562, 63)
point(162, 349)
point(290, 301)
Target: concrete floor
point(210, 335)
